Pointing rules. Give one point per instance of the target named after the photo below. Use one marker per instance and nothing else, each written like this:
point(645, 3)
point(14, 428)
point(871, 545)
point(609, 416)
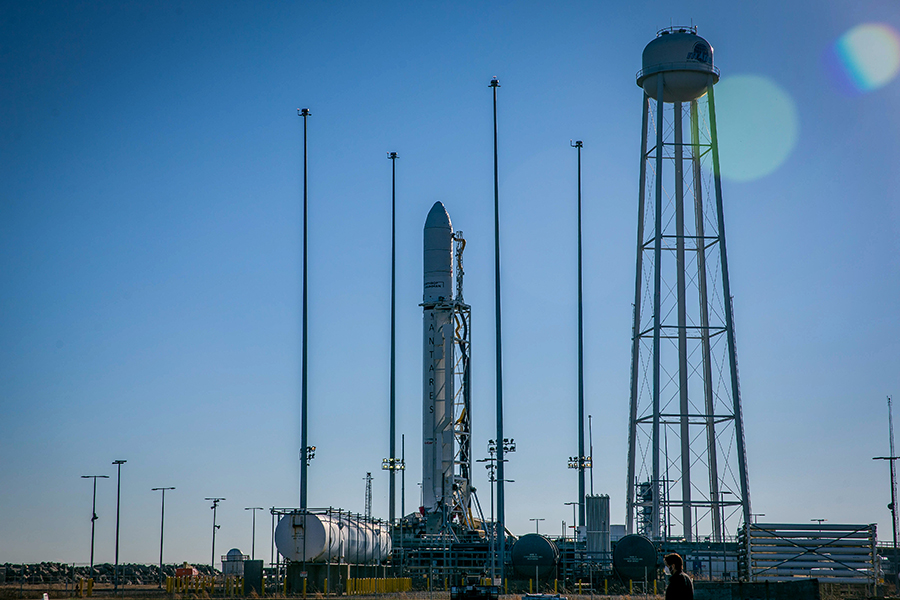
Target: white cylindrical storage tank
point(683, 59)
point(332, 538)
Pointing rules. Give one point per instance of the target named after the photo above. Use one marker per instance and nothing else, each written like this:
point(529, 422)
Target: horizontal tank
point(635, 557)
point(534, 554)
point(685, 62)
point(332, 538)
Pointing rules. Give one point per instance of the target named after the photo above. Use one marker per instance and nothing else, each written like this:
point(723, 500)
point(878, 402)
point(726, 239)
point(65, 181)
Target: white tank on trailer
point(683, 59)
point(332, 537)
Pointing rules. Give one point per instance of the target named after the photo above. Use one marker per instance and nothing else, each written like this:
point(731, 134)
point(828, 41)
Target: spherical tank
point(685, 62)
point(534, 551)
point(634, 557)
point(330, 538)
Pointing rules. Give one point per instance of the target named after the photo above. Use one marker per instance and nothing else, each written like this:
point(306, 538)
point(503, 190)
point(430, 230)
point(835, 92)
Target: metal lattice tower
point(461, 507)
point(687, 468)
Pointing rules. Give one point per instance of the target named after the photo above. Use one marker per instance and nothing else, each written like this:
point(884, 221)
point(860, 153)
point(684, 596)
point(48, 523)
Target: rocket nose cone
point(438, 217)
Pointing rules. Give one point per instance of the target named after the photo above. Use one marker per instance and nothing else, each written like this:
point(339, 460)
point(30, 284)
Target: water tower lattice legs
point(687, 473)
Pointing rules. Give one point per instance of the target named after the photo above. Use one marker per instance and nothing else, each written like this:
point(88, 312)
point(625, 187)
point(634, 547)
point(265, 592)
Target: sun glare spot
point(865, 58)
point(757, 126)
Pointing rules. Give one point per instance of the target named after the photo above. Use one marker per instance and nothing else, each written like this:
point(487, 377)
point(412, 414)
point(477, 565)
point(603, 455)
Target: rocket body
point(437, 363)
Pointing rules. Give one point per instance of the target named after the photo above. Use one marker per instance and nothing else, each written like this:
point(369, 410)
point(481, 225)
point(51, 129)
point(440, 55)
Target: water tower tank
point(684, 59)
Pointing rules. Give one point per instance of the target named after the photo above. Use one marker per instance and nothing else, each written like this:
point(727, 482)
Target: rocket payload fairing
point(437, 363)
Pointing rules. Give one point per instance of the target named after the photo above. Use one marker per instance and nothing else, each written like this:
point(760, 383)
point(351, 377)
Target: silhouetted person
point(680, 585)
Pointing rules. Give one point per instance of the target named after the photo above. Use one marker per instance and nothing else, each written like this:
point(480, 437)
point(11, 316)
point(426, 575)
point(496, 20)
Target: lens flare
point(866, 57)
point(758, 126)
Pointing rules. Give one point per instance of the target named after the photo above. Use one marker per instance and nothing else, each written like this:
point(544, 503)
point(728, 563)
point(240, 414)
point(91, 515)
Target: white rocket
point(438, 445)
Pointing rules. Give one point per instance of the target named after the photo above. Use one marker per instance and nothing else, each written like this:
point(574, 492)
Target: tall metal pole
point(253, 543)
point(501, 515)
point(118, 464)
point(893, 505)
point(162, 522)
point(94, 516)
point(304, 112)
point(392, 494)
point(893, 485)
point(581, 456)
point(212, 562)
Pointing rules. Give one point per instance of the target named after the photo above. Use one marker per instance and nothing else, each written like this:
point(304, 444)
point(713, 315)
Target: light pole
point(212, 562)
point(537, 525)
point(272, 551)
point(493, 462)
point(162, 522)
point(304, 112)
point(723, 532)
point(253, 543)
point(118, 464)
point(94, 516)
point(574, 506)
point(581, 458)
point(491, 466)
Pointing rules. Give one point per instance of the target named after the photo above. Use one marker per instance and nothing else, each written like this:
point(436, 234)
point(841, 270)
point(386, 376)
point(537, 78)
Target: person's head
point(674, 561)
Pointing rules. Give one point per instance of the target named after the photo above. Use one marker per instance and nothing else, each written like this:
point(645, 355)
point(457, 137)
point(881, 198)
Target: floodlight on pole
point(537, 524)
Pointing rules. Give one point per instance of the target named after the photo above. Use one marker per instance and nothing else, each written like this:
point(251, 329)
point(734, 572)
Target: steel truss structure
point(687, 469)
point(461, 505)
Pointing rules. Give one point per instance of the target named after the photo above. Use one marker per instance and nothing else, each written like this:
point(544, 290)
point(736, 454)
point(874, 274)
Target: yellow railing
point(374, 585)
point(190, 584)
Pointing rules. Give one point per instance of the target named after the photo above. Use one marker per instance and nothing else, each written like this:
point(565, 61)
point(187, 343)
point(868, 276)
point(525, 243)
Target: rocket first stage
point(446, 460)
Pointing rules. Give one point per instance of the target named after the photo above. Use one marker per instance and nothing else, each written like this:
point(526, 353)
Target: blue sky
point(150, 221)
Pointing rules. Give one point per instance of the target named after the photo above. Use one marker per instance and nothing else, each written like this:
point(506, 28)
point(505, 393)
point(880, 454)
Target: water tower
point(687, 468)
